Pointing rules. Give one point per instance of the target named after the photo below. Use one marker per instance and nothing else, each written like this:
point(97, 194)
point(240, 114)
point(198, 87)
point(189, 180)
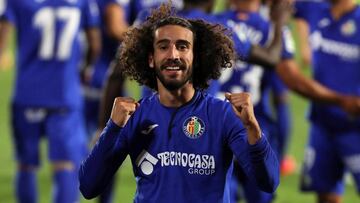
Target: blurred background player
point(47, 99)
point(244, 19)
point(334, 135)
point(302, 28)
point(113, 24)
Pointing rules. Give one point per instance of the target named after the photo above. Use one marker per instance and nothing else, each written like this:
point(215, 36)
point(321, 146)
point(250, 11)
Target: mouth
point(172, 68)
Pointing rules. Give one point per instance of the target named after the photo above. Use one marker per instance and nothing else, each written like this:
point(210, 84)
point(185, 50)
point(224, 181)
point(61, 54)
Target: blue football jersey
point(336, 62)
point(109, 45)
point(137, 6)
point(302, 8)
point(245, 77)
point(182, 155)
point(48, 49)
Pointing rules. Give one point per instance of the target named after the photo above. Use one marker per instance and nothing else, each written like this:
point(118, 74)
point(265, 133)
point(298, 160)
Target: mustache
point(173, 62)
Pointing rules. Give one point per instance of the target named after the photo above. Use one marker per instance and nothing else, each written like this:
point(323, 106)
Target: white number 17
point(45, 19)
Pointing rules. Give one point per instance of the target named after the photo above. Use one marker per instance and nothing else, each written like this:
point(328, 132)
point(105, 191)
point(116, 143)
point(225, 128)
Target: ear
point(151, 61)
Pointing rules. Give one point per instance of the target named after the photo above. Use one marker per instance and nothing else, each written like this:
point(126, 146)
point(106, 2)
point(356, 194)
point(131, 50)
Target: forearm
point(94, 46)
point(112, 89)
point(100, 166)
point(4, 32)
point(115, 21)
point(307, 87)
point(264, 165)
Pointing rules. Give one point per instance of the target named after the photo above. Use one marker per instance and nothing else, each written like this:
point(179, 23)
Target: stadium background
point(287, 192)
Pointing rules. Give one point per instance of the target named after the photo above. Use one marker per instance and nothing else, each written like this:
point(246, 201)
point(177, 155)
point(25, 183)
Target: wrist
point(254, 132)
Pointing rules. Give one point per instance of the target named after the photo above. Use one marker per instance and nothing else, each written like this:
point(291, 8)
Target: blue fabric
point(63, 128)
point(49, 50)
point(66, 184)
point(336, 62)
point(182, 155)
point(26, 187)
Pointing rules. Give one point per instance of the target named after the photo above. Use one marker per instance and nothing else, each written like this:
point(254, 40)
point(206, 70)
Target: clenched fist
point(123, 108)
point(243, 108)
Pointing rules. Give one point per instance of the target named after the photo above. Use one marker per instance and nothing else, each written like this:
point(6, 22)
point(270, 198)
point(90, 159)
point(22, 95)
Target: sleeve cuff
point(111, 125)
point(260, 149)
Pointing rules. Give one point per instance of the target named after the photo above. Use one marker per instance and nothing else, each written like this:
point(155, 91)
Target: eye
point(182, 47)
point(162, 47)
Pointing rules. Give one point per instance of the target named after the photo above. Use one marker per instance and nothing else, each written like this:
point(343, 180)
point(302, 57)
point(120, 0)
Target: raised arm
point(109, 152)
point(270, 56)
point(261, 164)
point(309, 88)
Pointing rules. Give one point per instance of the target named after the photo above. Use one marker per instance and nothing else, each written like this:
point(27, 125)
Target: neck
point(175, 98)
point(340, 8)
point(247, 5)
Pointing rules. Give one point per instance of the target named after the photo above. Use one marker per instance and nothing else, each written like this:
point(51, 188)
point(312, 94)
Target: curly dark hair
point(213, 48)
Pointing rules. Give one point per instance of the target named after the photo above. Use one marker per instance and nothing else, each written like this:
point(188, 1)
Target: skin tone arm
point(4, 32)
point(270, 56)
point(115, 21)
point(92, 52)
point(116, 26)
point(309, 88)
point(94, 43)
point(112, 89)
point(302, 29)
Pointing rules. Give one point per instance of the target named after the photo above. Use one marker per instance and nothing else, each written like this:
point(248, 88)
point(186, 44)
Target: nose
point(173, 52)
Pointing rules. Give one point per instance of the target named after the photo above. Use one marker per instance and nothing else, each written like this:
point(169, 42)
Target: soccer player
point(181, 141)
point(47, 99)
point(113, 25)
point(137, 6)
point(245, 19)
point(302, 28)
point(334, 135)
point(193, 9)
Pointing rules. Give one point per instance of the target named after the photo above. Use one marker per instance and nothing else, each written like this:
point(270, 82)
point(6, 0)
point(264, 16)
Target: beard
point(173, 84)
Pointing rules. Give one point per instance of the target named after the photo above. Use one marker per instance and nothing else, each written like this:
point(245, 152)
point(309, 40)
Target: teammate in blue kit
point(47, 99)
point(334, 135)
point(245, 19)
point(181, 141)
point(302, 27)
point(113, 25)
point(137, 6)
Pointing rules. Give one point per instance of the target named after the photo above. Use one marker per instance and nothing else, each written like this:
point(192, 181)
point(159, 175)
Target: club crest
point(193, 127)
point(348, 28)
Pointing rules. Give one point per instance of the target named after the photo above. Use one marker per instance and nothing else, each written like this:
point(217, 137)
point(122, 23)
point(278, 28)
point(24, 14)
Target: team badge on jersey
point(193, 127)
point(348, 28)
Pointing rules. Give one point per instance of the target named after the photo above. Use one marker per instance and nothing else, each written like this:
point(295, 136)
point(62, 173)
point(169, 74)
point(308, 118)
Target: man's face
point(173, 56)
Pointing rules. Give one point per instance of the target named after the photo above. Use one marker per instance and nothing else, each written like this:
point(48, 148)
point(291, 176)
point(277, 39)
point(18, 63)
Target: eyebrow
point(180, 41)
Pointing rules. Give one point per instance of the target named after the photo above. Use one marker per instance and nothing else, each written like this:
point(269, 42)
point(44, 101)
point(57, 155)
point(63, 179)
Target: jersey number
point(45, 19)
point(250, 81)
